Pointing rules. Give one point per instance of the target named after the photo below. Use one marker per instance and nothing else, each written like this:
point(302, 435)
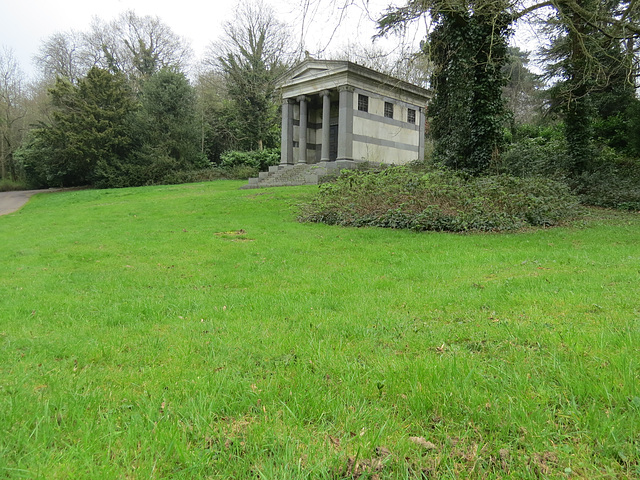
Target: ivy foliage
point(469, 50)
point(441, 200)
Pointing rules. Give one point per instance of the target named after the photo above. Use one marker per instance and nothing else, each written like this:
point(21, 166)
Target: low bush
point(440, 200)
point(7, 185)
point(531, 156)
point(260, 160)
point(612, 181)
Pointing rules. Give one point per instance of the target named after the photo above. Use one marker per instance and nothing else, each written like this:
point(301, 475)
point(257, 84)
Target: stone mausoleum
point(337, 113)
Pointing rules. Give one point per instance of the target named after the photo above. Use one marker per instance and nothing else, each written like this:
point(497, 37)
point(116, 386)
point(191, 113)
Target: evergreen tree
point(166, 130)
point(593, 71)
point(168, 120)
point(89, 126)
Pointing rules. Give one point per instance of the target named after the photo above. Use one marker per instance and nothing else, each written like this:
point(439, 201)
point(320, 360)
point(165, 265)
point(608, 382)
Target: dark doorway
point(333, 142)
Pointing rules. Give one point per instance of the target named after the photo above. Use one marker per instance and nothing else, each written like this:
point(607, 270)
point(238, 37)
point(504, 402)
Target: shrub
point(440, 200)
point(609, 179)
point(536, 156)
point(7, 185)
point(259, 160)
point(612, 181)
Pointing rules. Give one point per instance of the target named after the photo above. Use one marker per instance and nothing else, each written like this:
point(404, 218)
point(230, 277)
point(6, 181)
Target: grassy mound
point(440, 200)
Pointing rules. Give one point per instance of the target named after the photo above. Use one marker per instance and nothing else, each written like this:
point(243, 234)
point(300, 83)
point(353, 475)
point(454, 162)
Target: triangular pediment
point(308, 72)
point(312, 68)
point(313, 75)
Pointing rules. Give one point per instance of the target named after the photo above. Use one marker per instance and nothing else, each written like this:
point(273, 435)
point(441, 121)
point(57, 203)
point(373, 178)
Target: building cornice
point(344, 72)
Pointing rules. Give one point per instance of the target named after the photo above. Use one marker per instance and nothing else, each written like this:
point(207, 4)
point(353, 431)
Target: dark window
point(388, 109)
point(363, 103)
point(411, 116)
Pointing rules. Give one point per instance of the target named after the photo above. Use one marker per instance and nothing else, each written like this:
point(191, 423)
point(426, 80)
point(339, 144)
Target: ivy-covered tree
point(89, 125)
point(469, 50)
point(467, 44)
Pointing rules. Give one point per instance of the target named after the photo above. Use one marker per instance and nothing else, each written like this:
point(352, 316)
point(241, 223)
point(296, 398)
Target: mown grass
point(199, 331)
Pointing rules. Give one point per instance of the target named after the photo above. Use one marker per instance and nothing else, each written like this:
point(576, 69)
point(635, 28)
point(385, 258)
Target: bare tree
point(404, 63)
point(11, 112)
point(63, 54)
point(253, 51)
point(253, 35)
point(137, 45)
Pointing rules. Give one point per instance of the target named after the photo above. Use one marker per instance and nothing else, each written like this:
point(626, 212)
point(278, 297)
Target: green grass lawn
point(199, 331)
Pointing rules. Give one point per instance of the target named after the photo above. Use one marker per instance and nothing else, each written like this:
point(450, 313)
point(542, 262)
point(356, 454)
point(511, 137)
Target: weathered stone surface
point(300, 174)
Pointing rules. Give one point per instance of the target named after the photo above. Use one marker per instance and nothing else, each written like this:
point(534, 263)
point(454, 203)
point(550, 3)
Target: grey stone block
point(345, 164)
point(311, 179)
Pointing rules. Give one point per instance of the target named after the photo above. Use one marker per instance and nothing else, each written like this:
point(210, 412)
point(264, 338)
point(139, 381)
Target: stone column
point(326, 116)
point(303, 129)
point(345, 124)
point(422, 122)
point(286, 145)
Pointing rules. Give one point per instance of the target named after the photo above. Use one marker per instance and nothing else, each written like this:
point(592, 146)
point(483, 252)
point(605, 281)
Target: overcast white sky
point(25, 24)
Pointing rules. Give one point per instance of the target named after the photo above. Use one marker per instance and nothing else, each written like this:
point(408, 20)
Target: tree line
point(117, 105)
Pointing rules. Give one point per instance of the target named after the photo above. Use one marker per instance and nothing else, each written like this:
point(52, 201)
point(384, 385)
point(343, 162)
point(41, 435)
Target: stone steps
point(299, 174)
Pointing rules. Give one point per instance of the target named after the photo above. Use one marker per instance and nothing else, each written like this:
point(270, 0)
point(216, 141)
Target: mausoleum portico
point(337, 113)
point(325, 116)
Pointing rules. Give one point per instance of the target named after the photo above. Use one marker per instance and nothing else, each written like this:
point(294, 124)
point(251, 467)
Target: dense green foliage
point(11, 185)
point(260, 160)
point(199, 331)
point(440, 200)
point(592, 72)
point(90, 125)
point(609, 179)
point(102, 134)
point(469, 49)
point(166, 132)
point(591, 64)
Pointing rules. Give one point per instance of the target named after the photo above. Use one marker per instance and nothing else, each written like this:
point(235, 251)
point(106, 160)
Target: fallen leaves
point(369, 467)
point(234, 235)
point(423, 442)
